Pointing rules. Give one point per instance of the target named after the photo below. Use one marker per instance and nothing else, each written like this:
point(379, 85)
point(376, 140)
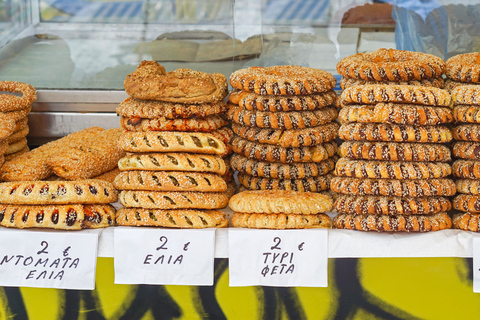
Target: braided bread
point(350, 82)
point(469, 169)
point(467, 203)
point(464, 67)
point(469, 186)
point(313, 184)
point(467, 221)
point(465, 113)
point(467, 132)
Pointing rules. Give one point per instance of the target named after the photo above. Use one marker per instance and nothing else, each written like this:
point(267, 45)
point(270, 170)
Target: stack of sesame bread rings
point(393, 172)
point(282, 117)
point(174, 174)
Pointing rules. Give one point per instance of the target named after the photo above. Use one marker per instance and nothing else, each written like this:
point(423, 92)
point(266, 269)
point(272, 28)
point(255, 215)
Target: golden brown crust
point(173, 200)
point(150, 82)
point(281, 170)
point(394, 133)
point(272, 153)
point(206, 124)
point(391, 169)
point(169, 181)
point(467, 114)
point(18, 135)
point(464, 67)
point(467, 221)
point(281, 120)
point(16, 154)
point(466, 94)
point(467, 132)
point(385, 223)
point(470, 186)
point(467, 203)
point(350, 82)
point(391, 65)
point(16, 115)
point(16, 146)
point(280, 201)
point(469, 169)
point(395, 188)
point(467, 150)
point(253, 102)
point(314, 184)
point(450, 85)
point(3, 146)
point(394, 151)
point(391, 205)
point(57, 192)
point(280, 221)
point(282, 80)
point(172, 218)
point(98, 216)
point(395, 114)
point(7, 127)
point(108, 176)
point(10, 102)
point(289, 138)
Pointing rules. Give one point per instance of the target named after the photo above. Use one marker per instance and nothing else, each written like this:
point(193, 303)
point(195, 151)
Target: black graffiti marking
point(204, 298)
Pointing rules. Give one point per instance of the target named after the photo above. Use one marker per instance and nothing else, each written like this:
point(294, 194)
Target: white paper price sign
point(163, 256)
point(476, 263)
point(283, 258)
point(57, 259)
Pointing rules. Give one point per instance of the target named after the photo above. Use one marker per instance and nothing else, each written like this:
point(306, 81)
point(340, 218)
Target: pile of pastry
point(463, 69)
point(282, 117)
point(174, 174)
point(393, 174)
point(13, 118)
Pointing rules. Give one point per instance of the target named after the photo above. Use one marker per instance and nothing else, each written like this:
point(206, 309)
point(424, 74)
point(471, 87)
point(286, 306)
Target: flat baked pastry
point(282, 80)
point(386, 223)
point(253, 102)
point(395, 188)
point(206, 124)
point(467, 114)
point(464, 67)
point(467, 221)
point(272, 153)
point(281, 170)
point(391, 205)
point(350, 82)
point(98, 216)
point(314, 184)
point(173, 162)
point(289, 138)
point(57, 192)
point(469, 169)
point(469, 186)
point(170, 181)
point(467, 203)
point(173, 200)
point(394, 133)
point(188, 218)
point(467, 132)
point(394, 151)
point(280, 221)
point(391, 169)
point(172, 141)
point(151, 82)
point(11, 102)
point(280, 201)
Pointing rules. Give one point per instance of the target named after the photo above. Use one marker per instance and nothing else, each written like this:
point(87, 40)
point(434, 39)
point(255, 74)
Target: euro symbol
point(185, 246)
point(65, 252)
point(300, 246)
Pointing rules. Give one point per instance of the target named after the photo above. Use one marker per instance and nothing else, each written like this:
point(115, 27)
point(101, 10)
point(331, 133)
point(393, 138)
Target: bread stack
point(174, 173)
point(463, 69)
point(65, 205)
point(284, 130)
point(392, 175)
point(467, 151)
point(13, 118)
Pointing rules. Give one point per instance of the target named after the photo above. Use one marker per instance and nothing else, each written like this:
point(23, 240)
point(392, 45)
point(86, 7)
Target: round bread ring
point(3, 146)
point(467, 169)
point(391, 65)
point(350, 82)
point(464, 67)
point(373, 94)
point(280, 221)
point(282, 80)
point(253, 102)
point(468, 186)
point(20, 124)
point(391, 205)
point(466, 94)
point(16, 115)
point(467, 150)
point(467, 114)
point(395, 223)
point(467, 203)
point(16, 136)
point(16, 146)
point(16, 154)
point(207, 124)
point(467, 221)
point(467, 132)
point(314, 184)
point(7, 127)
point(10, 102)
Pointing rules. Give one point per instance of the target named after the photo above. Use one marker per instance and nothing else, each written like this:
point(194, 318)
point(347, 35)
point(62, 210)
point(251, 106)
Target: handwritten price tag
point(283, 258)
point(63, 260)
point(162, 256)
point(476, 263)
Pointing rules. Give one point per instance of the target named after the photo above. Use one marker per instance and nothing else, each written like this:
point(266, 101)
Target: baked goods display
point(175, 173)
point(280, 209)
point(282, 117)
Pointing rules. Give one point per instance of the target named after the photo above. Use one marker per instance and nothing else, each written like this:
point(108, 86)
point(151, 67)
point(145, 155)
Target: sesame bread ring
point(395, 188)
point(464, 67)
point(408, 114)
point(350, 82)
point(469, 169)
point(173, 200)
point(10, 102)
point(395, 151)
point(281, 120)
point(7, 127)
point(467, 114)
point(16, 136)
point(281, 170)
point(373, 94)
point(467, 221)
point(16, 154)
point(394, 133)
point(16, 115)
point(467, 150)
point(391, 205)
point(207, 124)
point(466, 94)
point(391, 65)
point(3, 146)
point(467, 203)
point(280, 221)
point(57, 192)
point(151, 109)
point(289, 138)
point(467, 132)
point(190, 218)
point(169, 181)
point(272, 153)
point(314, 184)
point(282, 80)
point(395, 223)
point(253, 102)
point(150, 82)
point(391, 169)
point(16, 146)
